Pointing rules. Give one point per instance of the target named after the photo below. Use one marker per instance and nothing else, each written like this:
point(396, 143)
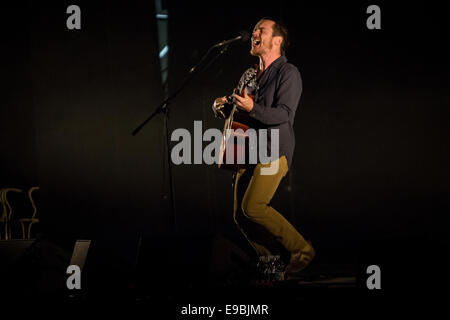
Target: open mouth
point(256, 42)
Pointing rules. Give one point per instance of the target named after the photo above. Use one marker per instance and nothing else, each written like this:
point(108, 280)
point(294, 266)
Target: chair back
point(5, 202)
point(32, 189)
point(2, 206)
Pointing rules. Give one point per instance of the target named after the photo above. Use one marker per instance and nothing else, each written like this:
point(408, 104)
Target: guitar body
point(234, 149)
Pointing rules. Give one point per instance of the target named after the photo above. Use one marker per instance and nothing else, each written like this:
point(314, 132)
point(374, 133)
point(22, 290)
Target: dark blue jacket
point(277, 96)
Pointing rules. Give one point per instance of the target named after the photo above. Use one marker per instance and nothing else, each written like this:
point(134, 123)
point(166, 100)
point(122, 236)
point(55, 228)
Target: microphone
point(243, 36)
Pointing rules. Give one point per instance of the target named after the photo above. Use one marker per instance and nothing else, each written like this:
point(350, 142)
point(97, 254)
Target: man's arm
point(286, 100)
point(222, 106)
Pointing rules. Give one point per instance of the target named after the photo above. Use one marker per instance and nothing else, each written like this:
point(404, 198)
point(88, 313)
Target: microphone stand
point(164, 108)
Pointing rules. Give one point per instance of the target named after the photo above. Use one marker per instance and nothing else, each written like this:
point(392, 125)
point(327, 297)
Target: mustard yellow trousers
point(262, 225)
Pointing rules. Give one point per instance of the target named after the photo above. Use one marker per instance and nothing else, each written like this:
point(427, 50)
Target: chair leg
point(23, 229)
point(29, 230)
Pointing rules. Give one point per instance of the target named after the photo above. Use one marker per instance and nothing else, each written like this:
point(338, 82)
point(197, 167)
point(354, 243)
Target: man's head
point(269, 36)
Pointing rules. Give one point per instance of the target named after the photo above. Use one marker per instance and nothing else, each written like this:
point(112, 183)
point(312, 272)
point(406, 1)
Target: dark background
point(371, 159)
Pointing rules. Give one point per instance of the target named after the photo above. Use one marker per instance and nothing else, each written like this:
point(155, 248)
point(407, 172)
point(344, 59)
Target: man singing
point(276, 86)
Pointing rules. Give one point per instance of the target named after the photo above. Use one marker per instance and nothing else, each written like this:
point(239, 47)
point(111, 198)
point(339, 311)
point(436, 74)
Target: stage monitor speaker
point(37, 268)
point(167, 262)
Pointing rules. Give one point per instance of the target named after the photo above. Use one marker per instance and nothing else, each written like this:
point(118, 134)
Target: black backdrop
point(371, 159)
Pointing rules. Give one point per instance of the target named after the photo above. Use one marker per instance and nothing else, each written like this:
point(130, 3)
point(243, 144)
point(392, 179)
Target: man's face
point(262, 39)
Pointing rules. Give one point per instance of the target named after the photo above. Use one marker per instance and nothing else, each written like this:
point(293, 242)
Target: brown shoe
point(300, 260)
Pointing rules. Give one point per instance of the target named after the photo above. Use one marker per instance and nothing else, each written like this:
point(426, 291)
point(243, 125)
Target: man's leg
point(255, 234)
point(255, 205)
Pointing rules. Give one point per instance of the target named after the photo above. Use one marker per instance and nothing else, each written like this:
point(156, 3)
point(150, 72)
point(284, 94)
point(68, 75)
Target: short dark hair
point(279, 29)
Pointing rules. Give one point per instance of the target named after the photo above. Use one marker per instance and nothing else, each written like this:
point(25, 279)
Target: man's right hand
point(218, 107)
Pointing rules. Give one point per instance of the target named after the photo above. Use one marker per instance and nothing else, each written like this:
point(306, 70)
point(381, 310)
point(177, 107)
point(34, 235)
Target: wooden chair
point(33, 218)
point(5, 219)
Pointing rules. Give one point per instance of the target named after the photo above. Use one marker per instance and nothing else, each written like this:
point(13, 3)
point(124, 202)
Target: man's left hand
point(245, 102)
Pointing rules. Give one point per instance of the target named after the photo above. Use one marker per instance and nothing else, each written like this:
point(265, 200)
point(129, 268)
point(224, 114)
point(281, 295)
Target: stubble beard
point(255, 51)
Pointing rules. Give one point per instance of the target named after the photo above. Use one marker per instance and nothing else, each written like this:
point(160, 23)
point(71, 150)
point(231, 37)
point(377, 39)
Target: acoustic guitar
point(234, 149)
